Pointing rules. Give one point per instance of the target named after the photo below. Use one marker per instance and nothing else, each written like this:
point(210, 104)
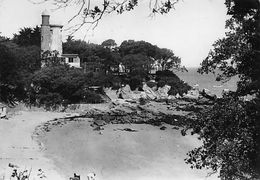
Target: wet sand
point(149, 153)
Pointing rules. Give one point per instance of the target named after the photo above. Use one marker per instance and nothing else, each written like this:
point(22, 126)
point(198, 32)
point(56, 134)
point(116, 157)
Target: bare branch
point(80, 10)
point(91, 15)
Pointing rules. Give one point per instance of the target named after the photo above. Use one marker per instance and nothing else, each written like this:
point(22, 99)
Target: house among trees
point(71, 59)
point(156, 66)
point(51, 40)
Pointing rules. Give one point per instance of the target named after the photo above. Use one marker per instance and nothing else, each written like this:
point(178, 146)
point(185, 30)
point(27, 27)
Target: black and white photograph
point(129, 90)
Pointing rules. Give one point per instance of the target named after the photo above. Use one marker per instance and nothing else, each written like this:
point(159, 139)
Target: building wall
point(45, 34)
point(75, 63)
point(56, 39)
point(51, 37)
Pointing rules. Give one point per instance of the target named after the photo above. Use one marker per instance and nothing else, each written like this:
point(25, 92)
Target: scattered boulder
point(192, 94)
point(128, 129)
point(125, 92)
point(177, 96)
point(207, 94)
point(150, 93)
point(163, 91)
point(175, 127)
point(162, 128)
point(76, 177)
point(98, 128)
point(100, 122)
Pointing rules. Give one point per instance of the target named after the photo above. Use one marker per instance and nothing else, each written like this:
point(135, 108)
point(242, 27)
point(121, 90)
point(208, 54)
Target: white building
point(72, 59)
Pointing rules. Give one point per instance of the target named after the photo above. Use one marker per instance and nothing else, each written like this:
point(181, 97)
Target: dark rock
point(100, 122)
point(76, 177)
point(128, 129)
point(162, 128)
point(98, 128)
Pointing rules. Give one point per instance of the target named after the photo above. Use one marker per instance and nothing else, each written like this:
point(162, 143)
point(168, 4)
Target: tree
point(76, 46)
point(17, 64)
point(167, 77)
point(111, 58)
point(28, 36)
point(136, 62)
point(8, 75)
point(238, 52)
point(109, 43)
point(230, 134)
point(53, 86)
point(230, 128)
point(138, 47)
point(168, 60)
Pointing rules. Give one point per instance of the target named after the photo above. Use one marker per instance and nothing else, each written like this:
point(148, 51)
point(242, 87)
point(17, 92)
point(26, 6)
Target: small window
point(70, 60)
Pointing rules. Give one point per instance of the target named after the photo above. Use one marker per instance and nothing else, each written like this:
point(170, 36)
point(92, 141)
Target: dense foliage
point(7, 75)
point(57, 85)
point(231, 139)
point(171, 79)
point(230, 130)
point(16, 65)
point(137, 58)
point(28, 36)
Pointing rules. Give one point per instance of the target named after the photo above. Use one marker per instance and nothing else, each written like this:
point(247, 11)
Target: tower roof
point(45, 13)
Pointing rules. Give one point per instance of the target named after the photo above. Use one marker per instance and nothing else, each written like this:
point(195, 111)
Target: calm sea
point(208, 81)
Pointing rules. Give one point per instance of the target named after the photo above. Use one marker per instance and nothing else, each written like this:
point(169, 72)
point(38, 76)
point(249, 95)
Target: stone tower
point(51, 38)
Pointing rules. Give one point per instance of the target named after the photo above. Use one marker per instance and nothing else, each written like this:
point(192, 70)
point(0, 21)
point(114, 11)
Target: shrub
point(62, 85)
point(49, 100)
point(166, 73)
point(92, 97)
point(135, 82)
point(171, 79)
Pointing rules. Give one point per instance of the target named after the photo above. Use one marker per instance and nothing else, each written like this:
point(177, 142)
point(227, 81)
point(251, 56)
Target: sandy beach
point(61, 147)
point(18, 146)
point(146, 153)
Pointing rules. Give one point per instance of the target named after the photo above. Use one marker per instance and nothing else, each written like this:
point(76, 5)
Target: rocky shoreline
point(114, 127)
point(178, 113)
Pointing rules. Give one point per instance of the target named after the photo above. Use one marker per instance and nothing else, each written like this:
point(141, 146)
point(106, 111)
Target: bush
point(135, 82)
point(61, 85)
point(166, 73)
point(91, 97)
point(49, 100)
point(171, 79)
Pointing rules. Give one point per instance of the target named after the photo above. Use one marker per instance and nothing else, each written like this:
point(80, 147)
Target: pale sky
point(189, 30)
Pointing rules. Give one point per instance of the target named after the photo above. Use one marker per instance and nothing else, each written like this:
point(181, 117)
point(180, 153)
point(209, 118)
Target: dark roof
point(56, 25)
point(69, 55)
